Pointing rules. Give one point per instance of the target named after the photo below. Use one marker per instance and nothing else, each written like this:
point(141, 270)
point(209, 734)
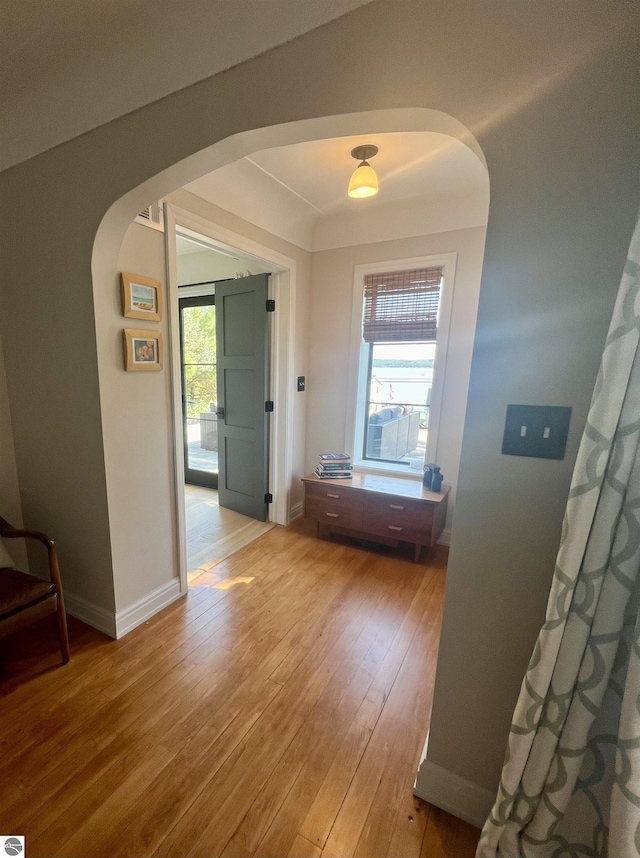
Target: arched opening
point(136, 508)
point(527, 86)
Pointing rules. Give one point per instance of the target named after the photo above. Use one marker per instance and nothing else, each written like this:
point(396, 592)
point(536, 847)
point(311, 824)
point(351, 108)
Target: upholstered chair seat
point(24, 599)
point(18, 590)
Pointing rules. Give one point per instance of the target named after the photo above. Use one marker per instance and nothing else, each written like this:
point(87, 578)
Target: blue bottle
point(428, 474)
point(436, 480)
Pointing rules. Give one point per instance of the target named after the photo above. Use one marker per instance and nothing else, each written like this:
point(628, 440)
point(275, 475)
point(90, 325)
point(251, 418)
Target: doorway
point(199, 389)
point(229, 464)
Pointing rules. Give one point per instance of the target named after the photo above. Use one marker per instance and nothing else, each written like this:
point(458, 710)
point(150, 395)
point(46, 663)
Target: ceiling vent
point(152, 216)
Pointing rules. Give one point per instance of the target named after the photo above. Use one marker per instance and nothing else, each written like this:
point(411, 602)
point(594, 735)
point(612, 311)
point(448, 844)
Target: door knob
point(220, 413)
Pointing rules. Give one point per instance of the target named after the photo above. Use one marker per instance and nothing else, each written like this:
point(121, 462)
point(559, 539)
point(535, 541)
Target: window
point(399, 312)
point(396, 418)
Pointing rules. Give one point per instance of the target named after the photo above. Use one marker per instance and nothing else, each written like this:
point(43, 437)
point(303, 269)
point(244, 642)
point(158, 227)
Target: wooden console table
point(381, 509)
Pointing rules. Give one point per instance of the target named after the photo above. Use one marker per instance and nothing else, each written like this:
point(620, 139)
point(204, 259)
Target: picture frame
point(141, 297)
point(143, 350)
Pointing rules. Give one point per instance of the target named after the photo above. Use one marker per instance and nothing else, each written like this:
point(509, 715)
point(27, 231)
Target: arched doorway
point(118, 394)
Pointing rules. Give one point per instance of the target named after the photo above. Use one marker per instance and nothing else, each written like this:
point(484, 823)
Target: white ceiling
point(411, 164)
point(185, 245)
point(415, 164)
point(67, 66)
point(429, 181)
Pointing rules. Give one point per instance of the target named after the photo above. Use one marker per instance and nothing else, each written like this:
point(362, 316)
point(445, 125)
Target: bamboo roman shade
point(401, 306)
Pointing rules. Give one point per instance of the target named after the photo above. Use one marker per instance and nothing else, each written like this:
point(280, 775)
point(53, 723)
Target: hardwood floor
point(280, 710)
point(213, 532)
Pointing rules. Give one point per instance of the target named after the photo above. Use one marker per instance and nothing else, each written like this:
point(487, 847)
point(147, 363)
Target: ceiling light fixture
point(363, 182)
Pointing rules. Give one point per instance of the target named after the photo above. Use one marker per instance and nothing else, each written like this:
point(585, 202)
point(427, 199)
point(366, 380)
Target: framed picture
point(142, 350)
point(141, 297)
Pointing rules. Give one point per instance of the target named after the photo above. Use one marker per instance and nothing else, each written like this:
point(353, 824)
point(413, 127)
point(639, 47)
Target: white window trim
point(356, 391)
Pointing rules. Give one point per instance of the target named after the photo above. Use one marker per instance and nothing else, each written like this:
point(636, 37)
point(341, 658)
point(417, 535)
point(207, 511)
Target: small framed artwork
point(142, 351)
point(141, 297)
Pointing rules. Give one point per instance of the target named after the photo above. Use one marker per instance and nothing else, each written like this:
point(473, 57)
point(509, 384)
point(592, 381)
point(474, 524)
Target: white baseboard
point(453, 793)
point(296, 511)
point(90, 613)
point(140, 611)
point(445, 537)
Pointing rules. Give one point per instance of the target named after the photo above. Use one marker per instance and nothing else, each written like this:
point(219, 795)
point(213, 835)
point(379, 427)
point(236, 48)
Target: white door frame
point(283, 290)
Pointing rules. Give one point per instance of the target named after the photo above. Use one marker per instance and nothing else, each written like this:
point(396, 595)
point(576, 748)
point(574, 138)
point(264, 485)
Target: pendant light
point(363, 182)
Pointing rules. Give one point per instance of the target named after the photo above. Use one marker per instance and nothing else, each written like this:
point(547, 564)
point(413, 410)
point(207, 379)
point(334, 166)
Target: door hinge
point(271, 305)
point(268, 406)
point(268, 498)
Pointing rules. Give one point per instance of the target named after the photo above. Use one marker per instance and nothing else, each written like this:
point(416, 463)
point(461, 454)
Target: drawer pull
point(395, 506)
point(333, 515)
point(329, 495)
point(393, 527)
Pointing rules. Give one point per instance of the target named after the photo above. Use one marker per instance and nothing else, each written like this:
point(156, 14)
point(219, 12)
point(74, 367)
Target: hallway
point(279, 710)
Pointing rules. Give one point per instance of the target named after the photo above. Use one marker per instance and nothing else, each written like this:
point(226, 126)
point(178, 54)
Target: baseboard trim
point(145, 608)
point(90, 613)
point(296, 511)
point(445, 537)
point(453, 793)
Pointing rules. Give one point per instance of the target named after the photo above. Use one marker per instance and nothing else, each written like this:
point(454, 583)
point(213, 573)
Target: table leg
point(417, 553)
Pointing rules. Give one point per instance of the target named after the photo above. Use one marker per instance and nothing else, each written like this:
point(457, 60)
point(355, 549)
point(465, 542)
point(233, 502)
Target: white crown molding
point(398, 219)
point(274, 207)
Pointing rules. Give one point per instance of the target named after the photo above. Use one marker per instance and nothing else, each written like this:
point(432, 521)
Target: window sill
point(382, 468)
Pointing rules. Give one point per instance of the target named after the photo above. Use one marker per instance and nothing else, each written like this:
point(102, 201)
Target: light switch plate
point(539, 431)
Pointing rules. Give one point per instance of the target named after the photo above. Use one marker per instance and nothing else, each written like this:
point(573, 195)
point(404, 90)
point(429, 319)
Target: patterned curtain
point(570, 785)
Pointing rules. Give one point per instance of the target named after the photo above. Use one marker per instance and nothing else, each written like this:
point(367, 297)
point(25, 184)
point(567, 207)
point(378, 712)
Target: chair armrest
point(9, 532)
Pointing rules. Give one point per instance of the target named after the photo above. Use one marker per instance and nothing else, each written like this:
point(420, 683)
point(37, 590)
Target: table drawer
point(402, 518)
point(341, 512)
point(332, 490)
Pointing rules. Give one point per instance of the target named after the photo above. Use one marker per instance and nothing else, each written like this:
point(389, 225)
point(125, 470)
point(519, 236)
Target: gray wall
point(48, 330)
point(550, 92)
point(563, 204)
point(10, 507)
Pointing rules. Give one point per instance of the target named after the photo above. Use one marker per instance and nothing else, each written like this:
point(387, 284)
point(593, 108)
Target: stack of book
point(334, 466)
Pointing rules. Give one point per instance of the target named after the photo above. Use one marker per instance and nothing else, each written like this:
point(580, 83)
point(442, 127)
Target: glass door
point(199, 389)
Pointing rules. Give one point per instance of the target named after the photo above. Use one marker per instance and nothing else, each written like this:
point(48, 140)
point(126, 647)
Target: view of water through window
point(400, 380)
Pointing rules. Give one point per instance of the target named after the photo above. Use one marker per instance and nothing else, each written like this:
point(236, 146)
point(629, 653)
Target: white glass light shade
point(363, 182)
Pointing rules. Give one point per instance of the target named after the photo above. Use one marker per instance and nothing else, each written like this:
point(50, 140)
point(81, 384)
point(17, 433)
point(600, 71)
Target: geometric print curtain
point(570, 786)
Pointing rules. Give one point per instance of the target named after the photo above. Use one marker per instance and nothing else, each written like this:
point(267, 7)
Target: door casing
point(283, 291)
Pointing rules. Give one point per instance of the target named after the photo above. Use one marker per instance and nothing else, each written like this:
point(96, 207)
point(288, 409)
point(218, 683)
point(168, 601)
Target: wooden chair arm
point(7, 531)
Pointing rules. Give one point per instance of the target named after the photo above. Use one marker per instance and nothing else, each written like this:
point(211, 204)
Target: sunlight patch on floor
point(231, 582)
point(214, 533)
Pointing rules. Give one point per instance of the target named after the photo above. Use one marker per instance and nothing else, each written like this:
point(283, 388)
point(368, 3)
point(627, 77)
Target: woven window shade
point(401, 306)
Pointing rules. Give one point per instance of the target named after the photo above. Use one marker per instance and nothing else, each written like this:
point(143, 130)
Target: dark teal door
point(242, 360)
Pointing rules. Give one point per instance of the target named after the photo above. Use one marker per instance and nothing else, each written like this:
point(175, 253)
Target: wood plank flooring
point(280, 710)
point(213, 532)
